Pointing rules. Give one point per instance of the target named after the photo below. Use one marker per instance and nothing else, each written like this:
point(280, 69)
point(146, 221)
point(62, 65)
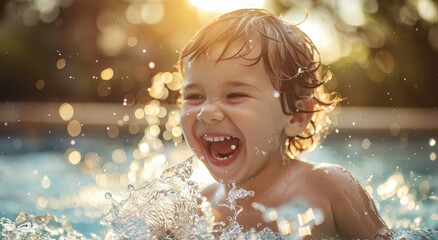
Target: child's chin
point(224, 176)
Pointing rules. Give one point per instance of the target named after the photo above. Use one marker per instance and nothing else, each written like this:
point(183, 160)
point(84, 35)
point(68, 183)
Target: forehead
point(247, 48)
point(205, 72)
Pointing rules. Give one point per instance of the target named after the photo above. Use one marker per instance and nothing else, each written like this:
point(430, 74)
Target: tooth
point(228, 138)
point(216, 139)
point(222, 158)
point(222, 139)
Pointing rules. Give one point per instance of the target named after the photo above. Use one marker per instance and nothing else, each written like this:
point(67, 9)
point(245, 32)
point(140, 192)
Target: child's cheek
point(187, 122)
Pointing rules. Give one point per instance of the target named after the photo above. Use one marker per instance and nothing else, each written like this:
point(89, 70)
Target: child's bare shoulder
point(333, 172)
point(332, 177)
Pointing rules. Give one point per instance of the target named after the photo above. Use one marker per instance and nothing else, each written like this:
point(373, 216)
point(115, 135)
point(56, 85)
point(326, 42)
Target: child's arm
point(354, 211)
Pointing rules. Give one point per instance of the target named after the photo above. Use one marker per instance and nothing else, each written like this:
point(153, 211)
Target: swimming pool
point(39, 174)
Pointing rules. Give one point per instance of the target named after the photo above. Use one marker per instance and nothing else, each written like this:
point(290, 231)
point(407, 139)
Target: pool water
point(400, 173)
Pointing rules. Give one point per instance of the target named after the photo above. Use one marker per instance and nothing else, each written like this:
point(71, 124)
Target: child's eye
point(193, 97)
point(237, 95)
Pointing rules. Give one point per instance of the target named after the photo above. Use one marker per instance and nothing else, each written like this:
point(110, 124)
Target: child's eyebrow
point(242, 84)
point(190, 86)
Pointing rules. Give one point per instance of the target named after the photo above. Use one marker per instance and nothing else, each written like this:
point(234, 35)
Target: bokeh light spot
point(132, 41)
point(107, 74)
point(428, 10)
point(112, 131)
point(45, 182)
point(74, 128)
point(139, 113)
point(144, 147)
point(66, 111)
point(101, 179)
point(134, 128)
point(394, 129)
point(104, 89)
point(432, 142)
point(60, 64)
point(152, 12)
point(176, 131)
point(74, 157)
point(92, 160)
point(176, 83)
point(112, 39)
point(119, 156)
point(432, 156)
point(42, 203)
point(366, 143)
point(39, 84)
point(166, 77)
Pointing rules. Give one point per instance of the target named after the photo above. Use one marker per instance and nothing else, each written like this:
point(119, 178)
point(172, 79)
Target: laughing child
point(253, 100)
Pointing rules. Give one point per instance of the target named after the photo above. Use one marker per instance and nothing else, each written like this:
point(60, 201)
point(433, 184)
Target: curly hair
point(290, 58)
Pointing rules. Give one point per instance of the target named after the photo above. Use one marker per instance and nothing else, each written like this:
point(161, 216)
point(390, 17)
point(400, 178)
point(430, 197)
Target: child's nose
point(210, 113)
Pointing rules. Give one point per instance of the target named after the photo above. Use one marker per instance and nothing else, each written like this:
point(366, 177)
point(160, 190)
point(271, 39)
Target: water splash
point(295, 220)
point(233, 230)
point(28, 226)
point(166, 207)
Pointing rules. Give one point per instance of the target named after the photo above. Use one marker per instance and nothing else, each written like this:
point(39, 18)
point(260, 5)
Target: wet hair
point(290, 58)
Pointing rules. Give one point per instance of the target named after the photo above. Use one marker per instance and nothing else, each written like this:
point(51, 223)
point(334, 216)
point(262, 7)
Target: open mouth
point(222, 149)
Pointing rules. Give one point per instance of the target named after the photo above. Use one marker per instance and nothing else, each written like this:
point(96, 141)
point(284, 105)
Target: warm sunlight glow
point(224, 6)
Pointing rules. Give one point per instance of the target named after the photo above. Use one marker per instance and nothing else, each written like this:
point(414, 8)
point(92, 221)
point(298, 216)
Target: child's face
point(231, 117)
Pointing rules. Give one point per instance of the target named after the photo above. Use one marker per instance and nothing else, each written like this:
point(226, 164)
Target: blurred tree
point(388, 59)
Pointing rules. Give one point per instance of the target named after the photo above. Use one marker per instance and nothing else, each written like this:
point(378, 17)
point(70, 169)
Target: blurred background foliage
point(382, 52)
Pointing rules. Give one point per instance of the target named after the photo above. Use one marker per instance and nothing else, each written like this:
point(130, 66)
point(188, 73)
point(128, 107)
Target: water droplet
point(233, 147)
point(144, 50)
point(276, 94)
point(72, 142)
point(130, 187)
point(108, 195)
point(366, 213)
point(6, 123)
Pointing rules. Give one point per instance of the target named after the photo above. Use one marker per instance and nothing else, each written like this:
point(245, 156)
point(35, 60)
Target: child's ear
point(299, 121)
point(297, 124)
